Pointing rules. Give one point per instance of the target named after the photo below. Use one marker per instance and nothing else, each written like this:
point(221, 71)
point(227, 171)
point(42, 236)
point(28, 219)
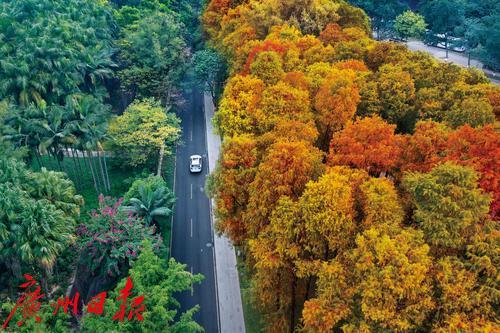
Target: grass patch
point(253, 318)
point(79, 172)
point(119, 177)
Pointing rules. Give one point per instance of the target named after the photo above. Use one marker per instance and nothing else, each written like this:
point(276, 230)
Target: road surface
point(192, 236)
point(457, 58)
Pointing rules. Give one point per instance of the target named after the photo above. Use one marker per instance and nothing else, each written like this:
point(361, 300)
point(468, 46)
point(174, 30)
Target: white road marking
point(191, 191)
point(191, 228)
point(191, 135)
point(192, 288)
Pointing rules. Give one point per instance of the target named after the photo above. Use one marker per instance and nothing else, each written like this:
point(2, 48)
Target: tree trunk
point(308, 287)
point(106, 171)
point(98, 180)
point(77, 178)
point(38, 158)
point(160, 159)
point(92, 171)
point(54, 154)
point(45, 280)
point(99, 159)
point(78, 158)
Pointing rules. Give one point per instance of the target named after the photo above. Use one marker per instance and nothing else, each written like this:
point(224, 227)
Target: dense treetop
point(47, 58)
point(358, 177)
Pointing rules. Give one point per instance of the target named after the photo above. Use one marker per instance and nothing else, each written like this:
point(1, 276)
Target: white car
point(195, 163)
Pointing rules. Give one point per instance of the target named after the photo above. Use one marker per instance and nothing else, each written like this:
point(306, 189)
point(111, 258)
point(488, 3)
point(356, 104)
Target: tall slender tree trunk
point(97, 178)
point(38, 159)
point(106, 171)
point(92, 171)
point(160, 159)
point(78, 169)
point(99, 160)
point(54, 154)
point(75, 171)
point(308, 287)
point(78, 158)
point(15, 268)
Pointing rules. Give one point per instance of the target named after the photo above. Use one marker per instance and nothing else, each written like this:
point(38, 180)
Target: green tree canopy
point(382, 12)
point(38, 215)
point(45, 58)
point(142, 131)
point(150, 199)
point(154, 56)
point(444, 17)
point(210, 70)
point(410, 24)
point(157, 281)
point(447, 203)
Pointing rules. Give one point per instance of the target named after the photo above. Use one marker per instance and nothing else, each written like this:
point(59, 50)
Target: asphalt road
point(192, 237)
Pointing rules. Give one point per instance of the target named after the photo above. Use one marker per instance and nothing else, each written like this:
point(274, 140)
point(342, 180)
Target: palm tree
point(89, 126)
point(152, 204)
point(38, 214)
point(54, 187)
point(32, 231)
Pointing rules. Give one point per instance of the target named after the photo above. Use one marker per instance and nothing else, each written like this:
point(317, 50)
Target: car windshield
point(195, 161)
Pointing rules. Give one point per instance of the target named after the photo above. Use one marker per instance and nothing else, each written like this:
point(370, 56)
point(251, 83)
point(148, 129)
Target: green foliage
point(210, 71)
point(481, 36)
point(443, 16)
point(268, 67)
point(150, 199)
point(46, 58)
point(127, 12)
point(154, 56)
point(149, 182)
point(382, 13)
point(447, 203)
point(474, 112)
point(58, 190)
point(38, 213)
point(142, 130)
point(33, 231)
point(157, 282)
point(410, 24)
point(60, 323)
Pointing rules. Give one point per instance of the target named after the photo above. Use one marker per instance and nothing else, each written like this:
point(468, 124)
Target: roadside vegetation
point(468, 25)
point(358, 179)
point(89, 92)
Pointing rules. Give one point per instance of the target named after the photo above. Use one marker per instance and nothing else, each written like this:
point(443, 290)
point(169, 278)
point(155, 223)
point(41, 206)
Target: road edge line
point(173, 210)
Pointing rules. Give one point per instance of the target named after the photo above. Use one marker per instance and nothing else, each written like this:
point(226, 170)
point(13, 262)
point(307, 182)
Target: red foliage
point(425, 148)
point(368, 144)
point(268, 45)
point(480, 149)
point(355, 65)
point(332, 34)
